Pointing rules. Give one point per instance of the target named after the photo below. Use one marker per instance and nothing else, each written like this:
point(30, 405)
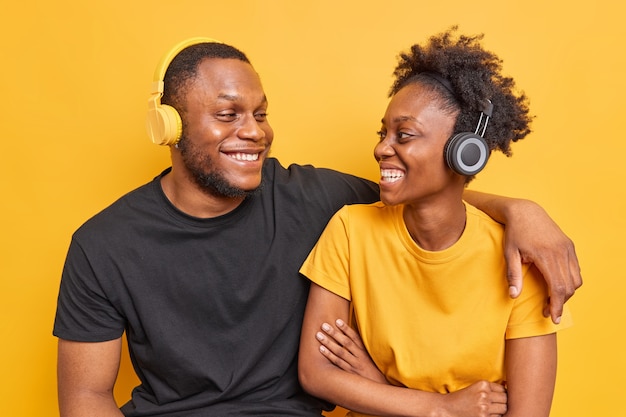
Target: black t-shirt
point(213, 307)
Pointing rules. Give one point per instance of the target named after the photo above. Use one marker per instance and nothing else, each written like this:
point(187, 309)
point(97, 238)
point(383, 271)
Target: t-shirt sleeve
point(527, 318)
point(329, 188)
point(328, 264)
point(84, 312)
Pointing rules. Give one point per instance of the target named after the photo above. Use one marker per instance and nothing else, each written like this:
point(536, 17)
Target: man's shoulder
point(274, 166)
point(325, 180)
point(135, 204)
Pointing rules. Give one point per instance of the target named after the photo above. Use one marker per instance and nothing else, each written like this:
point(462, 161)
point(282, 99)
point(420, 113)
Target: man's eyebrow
point(235, 97)
point(229, 97)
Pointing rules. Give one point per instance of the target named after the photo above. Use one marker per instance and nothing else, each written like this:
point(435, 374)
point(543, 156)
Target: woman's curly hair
point(474, 76)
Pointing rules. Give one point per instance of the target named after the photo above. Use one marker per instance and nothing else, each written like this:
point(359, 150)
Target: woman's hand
point(481, 399)
point(343, 346)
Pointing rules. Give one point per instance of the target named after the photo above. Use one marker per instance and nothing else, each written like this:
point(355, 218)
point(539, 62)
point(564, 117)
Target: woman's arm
point(322, 378)
point(531, 373)
point(343, 346)
point(86, 376)
point(531, 236)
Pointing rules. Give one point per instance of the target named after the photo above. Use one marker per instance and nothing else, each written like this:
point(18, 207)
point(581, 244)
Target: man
point(200, 266)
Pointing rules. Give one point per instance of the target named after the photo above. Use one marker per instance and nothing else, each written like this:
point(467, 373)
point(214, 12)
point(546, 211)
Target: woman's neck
point(435, 227)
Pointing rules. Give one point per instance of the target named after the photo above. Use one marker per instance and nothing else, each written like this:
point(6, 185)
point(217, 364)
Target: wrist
point(439, 410)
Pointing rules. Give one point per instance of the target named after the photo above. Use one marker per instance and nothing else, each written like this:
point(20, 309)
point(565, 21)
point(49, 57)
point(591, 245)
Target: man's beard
point(211, 181)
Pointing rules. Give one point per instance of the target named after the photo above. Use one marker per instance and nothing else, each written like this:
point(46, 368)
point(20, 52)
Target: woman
point(422, 274)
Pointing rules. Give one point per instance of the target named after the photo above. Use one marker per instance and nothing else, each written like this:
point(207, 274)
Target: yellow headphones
point(163, 123)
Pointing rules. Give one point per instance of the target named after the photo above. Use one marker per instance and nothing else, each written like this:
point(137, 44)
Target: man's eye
point(381, 134)
point(260, 117)
point(404, 135)
point(227, 116)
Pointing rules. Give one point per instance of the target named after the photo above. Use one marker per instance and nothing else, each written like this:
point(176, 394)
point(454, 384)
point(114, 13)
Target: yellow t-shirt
point(433, 321)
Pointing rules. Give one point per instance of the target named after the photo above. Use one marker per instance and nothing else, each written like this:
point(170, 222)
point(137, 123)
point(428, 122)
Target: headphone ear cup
point(466, 153)
point(164, 125)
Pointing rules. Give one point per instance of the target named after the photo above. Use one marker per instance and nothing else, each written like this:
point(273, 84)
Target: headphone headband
point(164, 63)
point(163, 123)
point(441, 80)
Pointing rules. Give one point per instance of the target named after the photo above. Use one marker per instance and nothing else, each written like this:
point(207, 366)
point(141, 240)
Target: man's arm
point(86, 375)
point(531, 236)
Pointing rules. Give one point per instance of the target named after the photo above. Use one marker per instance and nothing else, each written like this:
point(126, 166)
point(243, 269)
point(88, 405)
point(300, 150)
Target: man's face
point(226, 135)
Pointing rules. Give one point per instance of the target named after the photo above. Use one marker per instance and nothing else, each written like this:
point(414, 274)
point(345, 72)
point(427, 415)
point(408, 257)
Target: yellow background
point(75, 76)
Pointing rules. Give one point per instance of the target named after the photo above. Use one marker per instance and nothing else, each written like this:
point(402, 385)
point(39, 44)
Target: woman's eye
point(404, 135)
point(381, 134)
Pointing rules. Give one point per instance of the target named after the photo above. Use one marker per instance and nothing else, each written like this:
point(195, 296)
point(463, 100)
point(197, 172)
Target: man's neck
point(189, 198)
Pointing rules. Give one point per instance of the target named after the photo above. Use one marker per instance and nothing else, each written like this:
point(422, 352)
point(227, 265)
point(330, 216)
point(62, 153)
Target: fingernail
point(319, 336)
point(340, 322)
point(322, 349)
point(513, 291)
point(558, 320)
point(326, 327)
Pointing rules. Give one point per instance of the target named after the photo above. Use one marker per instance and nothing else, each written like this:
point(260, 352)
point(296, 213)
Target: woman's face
point(410, 152)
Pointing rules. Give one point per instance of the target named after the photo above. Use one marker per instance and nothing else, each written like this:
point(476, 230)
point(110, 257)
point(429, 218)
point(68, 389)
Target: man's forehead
point(225, 89)
point(225, 71)
point(226, 81)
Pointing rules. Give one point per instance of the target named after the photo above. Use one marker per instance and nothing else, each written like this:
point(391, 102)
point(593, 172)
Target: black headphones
point(466, 153)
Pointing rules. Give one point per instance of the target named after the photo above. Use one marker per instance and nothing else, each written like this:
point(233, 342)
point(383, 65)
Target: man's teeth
point(240, 156)
point(391, 175)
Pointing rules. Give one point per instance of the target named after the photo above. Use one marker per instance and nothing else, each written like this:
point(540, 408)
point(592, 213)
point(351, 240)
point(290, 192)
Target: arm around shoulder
point(86, 373)
point(531, 236)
